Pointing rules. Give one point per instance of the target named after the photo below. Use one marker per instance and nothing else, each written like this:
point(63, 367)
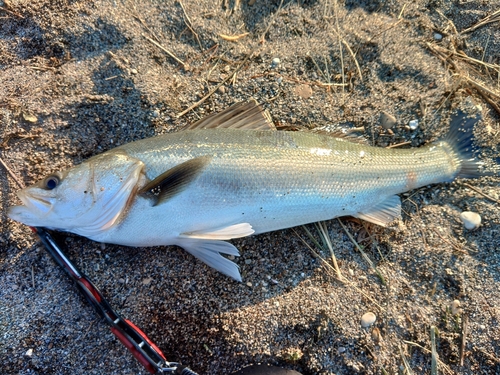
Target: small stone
point(147, 281)
point(30, 117)
point(455, 307)
point(376, 336)
point(341, 349)
point(248, 261)
point(438, 37)
point(249, 284)
point(413, 124)
point(276, 61)
point(304, 91)
point(387, 120)
point(222, 89)
point(368, 319)
point(470, 219)
point(29, 353)
point(133, 71)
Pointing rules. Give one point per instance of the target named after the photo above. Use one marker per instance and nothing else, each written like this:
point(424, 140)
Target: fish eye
point(51, 182)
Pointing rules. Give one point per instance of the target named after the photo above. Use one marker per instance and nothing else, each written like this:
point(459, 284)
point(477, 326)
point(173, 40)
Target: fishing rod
point(133, 338)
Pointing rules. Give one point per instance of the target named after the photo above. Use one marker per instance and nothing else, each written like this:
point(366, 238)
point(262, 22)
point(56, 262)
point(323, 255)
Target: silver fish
point(231, 175)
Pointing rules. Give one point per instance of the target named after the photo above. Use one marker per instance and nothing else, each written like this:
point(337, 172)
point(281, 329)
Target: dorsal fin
point(245, 115)
point(174, 180)
point(350, 136)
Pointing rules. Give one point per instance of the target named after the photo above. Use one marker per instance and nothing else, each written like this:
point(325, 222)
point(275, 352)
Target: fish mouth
point(33, 210)
point(34, 203)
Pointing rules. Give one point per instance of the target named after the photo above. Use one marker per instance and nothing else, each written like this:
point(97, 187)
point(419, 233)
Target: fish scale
point(231, 175)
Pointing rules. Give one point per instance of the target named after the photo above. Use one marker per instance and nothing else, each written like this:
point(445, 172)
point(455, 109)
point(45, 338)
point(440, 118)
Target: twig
point(165, 50)
point(11, 12)
point(480, 192)
point(354, 58)
point(233, 74)
point(434, 355)
point(449, 243)
point(210, 93)
point(463, 338)
point(495, 16)
point(9, 171)
point(367, 259)
point(343, 280)
point(33, 276)
point(189, 24)
point(399, 144)
point(335, 10)
point(444, 365)
point(405, 362)
point(322, 229)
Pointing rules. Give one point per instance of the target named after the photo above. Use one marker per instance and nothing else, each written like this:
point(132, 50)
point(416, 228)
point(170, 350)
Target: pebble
point(438, 37)
point(368, 319)
point(29, 353)
point(276, 61)
point(455, 307)
point(304, 91)
point(413, 124)
point(387, 120)
point(470, 219)
point(133, 71)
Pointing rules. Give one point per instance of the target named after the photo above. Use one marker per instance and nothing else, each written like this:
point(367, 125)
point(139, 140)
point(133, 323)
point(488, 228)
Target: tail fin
point(461, 139)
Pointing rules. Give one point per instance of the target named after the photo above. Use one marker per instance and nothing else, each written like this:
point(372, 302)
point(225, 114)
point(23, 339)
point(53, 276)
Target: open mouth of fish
point(31, 210)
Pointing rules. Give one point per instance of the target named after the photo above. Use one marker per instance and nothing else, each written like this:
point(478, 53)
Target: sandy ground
point(80, 77)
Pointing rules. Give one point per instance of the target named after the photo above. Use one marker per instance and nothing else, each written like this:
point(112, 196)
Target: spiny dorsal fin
point(350, 136)
point(245, 115)
point(174, 180)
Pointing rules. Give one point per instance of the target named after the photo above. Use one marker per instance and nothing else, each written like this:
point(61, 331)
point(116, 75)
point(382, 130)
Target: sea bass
point(231, 175)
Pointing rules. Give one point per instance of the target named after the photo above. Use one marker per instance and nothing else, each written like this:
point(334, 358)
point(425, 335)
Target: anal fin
point(208, 251)
point(383, 213)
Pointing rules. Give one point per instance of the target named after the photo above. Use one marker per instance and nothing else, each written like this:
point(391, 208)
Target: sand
point(80, 77)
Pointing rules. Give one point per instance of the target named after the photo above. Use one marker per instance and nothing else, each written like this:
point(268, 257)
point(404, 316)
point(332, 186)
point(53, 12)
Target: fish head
point(86, 199)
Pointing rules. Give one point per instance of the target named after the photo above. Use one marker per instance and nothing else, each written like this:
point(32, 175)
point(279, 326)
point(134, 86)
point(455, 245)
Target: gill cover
point(86, 199)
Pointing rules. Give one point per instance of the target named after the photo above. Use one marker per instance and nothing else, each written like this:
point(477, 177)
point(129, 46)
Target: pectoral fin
point(383, 213)
point(226, 233)
point(209, 251)
point(174, 180)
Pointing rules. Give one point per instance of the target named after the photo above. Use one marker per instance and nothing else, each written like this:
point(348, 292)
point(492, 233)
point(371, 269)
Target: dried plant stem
point(165, 50)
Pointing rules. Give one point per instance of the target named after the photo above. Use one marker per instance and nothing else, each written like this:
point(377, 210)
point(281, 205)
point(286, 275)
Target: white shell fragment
point(368, 319)
point(470, 219)
point(413, 124)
